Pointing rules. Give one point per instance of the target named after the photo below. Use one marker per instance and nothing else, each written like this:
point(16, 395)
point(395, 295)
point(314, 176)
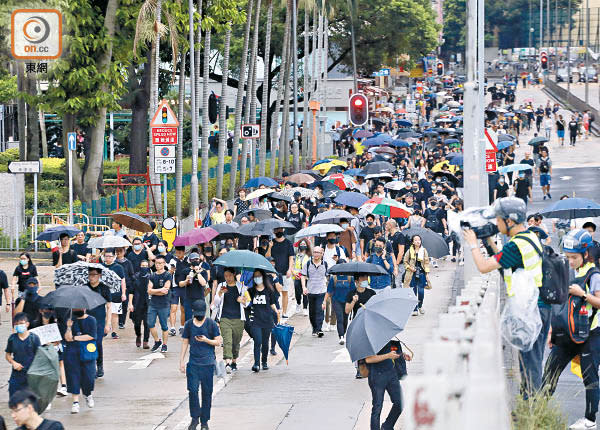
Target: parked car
point(562, 75)
point(591, 75)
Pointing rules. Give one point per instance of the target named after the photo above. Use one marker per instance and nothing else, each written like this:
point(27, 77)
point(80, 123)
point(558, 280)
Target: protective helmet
point(512, 208)
point(577, 241)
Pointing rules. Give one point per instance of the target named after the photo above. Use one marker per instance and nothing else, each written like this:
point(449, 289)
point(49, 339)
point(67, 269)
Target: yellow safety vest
point(582, 273)
point(299, 262)
point(532, 261)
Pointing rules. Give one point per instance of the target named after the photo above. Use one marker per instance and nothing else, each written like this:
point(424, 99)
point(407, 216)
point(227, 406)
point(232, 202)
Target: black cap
point(199, 308)
point(32, 281)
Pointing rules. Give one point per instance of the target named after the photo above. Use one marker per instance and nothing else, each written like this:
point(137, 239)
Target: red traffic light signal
point(440, 68)
point(359, 109)
point(544, 60)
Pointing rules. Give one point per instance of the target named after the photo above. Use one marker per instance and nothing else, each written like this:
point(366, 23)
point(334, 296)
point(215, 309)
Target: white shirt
point(331, 252)
point(363, 188)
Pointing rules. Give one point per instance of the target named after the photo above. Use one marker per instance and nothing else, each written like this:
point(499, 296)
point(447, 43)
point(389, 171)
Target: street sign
point(72, 140)
point(169, 231)
point(164, 135)
point(491, 165)
point(25, 167)
point(164, 116)
point(250, 131)
point(164, 151)
point(164, 165)
point(491, 140)
point(411, 105)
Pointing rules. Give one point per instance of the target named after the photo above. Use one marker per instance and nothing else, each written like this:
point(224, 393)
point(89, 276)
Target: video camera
point(473, 219)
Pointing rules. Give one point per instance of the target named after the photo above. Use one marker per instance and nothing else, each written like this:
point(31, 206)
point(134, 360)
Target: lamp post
point(314, 106)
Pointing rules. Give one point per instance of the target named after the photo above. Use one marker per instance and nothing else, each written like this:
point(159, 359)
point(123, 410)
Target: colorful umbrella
point(386, 207)
point(196, 236)
point(328, 165)
point(341, 181)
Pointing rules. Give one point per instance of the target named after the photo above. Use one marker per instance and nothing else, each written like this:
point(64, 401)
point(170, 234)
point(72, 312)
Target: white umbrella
point(317, 230)
point(256, 194)
point(453, 103)
point(108, 241)
point(395, 185)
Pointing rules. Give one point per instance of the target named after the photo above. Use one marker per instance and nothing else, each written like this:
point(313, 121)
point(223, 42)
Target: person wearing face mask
point(201, 335)
point(382, 258)
point(129, 272)
point(367, 233)
point(101, 313)
point(357, 298)
point(522, 187)
point(150, 239)
point(25, 270)
point(196, 286)
point(179, 264)
point(416, 263)
point(20, 351)
point(119, 297)
point(300, 259)
point(282, 251)
point(263, 316)
point(138, 305)
point(501, 188)
point(337, 290)
point(80, 371)
point(30, 302)
point(139, 252)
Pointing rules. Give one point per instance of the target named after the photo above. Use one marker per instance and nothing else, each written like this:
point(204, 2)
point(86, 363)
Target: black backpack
point(433, 222)
point(544, 166)
point(555, 269)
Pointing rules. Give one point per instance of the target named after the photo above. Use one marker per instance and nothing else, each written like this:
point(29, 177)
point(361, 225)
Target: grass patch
point(542, 412)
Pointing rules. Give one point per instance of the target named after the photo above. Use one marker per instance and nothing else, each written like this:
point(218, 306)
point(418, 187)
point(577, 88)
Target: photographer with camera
point(518, 253)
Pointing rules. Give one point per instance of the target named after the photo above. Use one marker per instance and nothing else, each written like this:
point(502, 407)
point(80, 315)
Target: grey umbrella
point(264, 227)
point(376, 323)
point(259, 214)
point(318, 229)
point(433, 242)
point(356, 268)
point(332, 216)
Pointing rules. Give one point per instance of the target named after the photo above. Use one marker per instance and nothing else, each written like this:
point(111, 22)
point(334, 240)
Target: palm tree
point(281, 93)
point(253, 85)
point(223, 112)
point(180, 115)
point(285, 122)
point(265, 93)
point(238, 103)
point(205, 121)
point(306, 123)
point(195, 95)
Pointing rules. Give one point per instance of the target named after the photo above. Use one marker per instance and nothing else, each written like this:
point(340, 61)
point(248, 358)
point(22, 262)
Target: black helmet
point(512, 208)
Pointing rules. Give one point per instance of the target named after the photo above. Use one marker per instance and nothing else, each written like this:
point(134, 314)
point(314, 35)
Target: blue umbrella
point(514, 168)
point(457, 160)
point(53, 233)
point(353, 172)
point(350, 198)
point(261, 180)
point(400, 143)
point(504, 144)
point(324, 160)
point(384, 137)
point(283, 335)
point(244, 260)
point(404, 123)
point(375, 141)
point(573, 207)
point(457, 118)
point(449, 141)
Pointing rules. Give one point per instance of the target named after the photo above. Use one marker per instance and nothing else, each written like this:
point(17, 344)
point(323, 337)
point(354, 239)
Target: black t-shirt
point(80, 249)
point(529, 162)
point(502, 190)
point(367, 233)
point(24, 274)
point(31, 307)
point(522, 190)
point(158, 282)
point(245, 243)
point(281, 253)
point(181, 272)
point(384, 365)
point(560, 125)
point(136, 259)
point(68, 257)
point(217, 273)
point(46, 425)
point(362, 298)
point(3, 283)
point(261, 313)
point(573, 126)
point(297, 219)
point(194, 290)
point(150, 239)
point(231, 307)
point(398, 239)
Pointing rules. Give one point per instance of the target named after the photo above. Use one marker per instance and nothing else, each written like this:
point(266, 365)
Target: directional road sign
point(25, 167)
point(72, 140)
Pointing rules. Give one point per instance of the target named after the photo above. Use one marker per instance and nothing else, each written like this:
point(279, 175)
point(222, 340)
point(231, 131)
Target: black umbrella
point(433, 242)
point(346, 133)
point(379, 167)
point(73, 297)
point(259, 214)
point(326, 185)
point(53, 233)
point(279, 197)
point(356, 268)
point(449, 176)
point(264, 227)
point(226, 231)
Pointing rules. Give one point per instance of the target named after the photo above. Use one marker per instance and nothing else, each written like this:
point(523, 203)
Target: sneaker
point(422, 311)
point(121, 326)
point(273, 352)
point(75, 408)
point(342, 340)
point(305, 312)
point(89, 400)
point(358, 375)
point(180, 331)
point(234, 367)
point(415, 313)
point(228, 369)
point(163, 348)
point(434, 263)
point(172, 332)
point(320, 334)
point(256, 368)
point(265, 366)
point(62, 391)
point(284, 317)
point(544, 196)
point(157, 345)
point(453, 259)
point(114, 335)
point(194, 424)
point(298, 309)
point(325, 327)
point(314, 334)
point(583, 424)
point(550, 196)
point(204, 427)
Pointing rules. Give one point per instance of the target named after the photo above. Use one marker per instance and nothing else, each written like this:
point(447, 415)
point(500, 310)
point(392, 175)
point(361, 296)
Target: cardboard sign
point(47, 333)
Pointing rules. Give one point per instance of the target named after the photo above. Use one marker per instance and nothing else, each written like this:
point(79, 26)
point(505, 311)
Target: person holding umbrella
point(80, 365)
point(337, 290)
point(101, 313)
point(64, 254)
point(381, 258)
point(416, 263)
point(201, 335)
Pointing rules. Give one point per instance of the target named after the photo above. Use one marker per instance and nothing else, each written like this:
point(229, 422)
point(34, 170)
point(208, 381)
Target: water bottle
point(583, 323)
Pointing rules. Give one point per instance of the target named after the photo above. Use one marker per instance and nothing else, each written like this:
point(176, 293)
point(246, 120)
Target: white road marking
point(566, 178)
point(343, 356)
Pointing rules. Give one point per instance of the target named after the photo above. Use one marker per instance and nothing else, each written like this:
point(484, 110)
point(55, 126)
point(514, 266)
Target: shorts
point(162, 314)
point(288, 283)
point(544, 179)
point(116, 298)
point(560, 133)
point(177, 296)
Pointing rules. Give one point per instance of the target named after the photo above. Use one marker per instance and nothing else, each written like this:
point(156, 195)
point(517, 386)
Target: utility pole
point(351, 12)
point(587, 50)
point(296, 146)
point(569, 54)
point(541, 27)
point(556, 41)
point(530, 38)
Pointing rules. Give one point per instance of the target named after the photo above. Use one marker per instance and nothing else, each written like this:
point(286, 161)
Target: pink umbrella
point(196, 236)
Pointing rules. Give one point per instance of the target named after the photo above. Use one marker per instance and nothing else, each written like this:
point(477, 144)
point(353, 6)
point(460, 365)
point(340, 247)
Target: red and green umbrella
point(386, 207)
point(341, 181)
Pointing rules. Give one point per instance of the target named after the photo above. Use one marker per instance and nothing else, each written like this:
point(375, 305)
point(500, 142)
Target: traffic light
point(544, 60)
point(440, 68)
point(213, 108)
point(359, 109)
point(164, 115)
